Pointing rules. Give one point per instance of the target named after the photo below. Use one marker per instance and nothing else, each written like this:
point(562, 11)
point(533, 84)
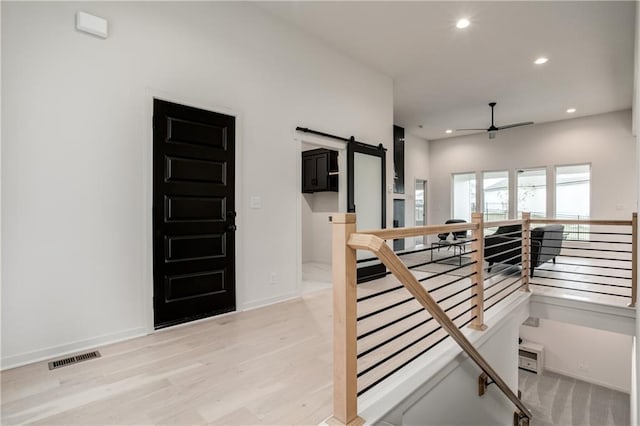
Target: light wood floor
point(266, 366)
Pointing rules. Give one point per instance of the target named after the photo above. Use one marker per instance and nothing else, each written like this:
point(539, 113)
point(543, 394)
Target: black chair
point(550, 244)
point(505, 245)
point(458, 235)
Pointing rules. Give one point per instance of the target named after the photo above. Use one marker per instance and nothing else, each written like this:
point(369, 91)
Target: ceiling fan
point(493, 128)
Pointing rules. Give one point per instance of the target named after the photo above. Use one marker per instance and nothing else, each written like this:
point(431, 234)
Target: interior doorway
point(320, 196)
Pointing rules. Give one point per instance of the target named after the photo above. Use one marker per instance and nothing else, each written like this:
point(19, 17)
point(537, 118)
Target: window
point(532, 192)
point(464, 196)
point(495, 186)
point(573, 188)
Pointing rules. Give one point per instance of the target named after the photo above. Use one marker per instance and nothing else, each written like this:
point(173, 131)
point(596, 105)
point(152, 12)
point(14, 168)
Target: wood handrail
point(418, 231)
point(583, 221)
point(377, 245)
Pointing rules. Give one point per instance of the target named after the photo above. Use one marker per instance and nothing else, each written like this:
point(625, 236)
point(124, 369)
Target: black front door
point(193, 213)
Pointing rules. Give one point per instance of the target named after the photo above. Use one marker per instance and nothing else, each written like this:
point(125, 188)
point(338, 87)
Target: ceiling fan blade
point(462, 130)
point(508, 126)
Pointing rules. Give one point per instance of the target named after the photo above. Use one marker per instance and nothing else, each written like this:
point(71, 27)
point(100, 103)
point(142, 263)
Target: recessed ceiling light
point(462, 23)
point(448, 131)
point(571, 110)
point(541, 60)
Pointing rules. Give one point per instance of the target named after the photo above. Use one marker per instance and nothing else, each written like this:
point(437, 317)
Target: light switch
point(256, 203)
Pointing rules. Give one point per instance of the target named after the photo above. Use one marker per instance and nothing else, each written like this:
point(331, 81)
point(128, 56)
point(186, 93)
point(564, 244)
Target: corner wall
point(594, 356)
point(76, 145)
point(416, 151)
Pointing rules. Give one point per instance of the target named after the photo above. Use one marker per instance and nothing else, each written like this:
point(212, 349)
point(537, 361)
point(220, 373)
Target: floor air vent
point(73, 360)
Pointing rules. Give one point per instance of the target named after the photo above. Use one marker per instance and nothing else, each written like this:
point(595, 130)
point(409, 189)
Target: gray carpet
point(557, 400)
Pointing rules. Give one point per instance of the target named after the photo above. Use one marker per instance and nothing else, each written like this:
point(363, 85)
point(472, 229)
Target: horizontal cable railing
point(429, 293)
point(505, 270)
point(585, 259)
point(427, 296)
point(392, 328)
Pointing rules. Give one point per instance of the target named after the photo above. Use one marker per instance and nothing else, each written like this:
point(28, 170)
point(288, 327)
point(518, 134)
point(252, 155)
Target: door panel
point(195, 209)
point(193, 213)
point(195, 247)
point(190, 170)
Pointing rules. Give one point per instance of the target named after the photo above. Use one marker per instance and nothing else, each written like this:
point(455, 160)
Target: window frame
point(509, 172)
point(517, 187)
point(452, 204)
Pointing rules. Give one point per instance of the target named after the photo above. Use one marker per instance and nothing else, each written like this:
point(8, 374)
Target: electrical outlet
point(273, 278)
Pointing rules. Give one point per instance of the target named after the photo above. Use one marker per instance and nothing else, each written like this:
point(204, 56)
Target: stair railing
point(345, 243)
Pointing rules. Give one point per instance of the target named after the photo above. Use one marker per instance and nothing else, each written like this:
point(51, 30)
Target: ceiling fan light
point(462, 23)
point(541, 60)
point(492, 135)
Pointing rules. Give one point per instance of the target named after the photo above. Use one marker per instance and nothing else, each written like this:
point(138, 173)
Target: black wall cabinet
point(319, 171)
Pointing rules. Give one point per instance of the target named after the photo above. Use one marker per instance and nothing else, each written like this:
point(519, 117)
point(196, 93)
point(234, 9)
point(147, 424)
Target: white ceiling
point(444, 77)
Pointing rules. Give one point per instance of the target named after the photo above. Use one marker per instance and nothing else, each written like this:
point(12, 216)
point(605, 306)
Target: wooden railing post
point(634, 259)
point(526, 250)
point(345, 384)
point(477, 256)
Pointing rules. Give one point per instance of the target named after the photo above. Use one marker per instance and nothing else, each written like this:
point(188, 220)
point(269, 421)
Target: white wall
point(595, 356)
point(604, 141)
point(316, 228)
point(416, 158)
point(77, 142)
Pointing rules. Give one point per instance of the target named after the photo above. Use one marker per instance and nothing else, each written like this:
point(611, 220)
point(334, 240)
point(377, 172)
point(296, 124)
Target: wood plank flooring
point(266, 366)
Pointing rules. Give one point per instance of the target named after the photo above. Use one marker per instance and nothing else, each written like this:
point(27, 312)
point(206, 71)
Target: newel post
point(634, 259)
point(477, 256)
point(526, 250)
point(345, 385)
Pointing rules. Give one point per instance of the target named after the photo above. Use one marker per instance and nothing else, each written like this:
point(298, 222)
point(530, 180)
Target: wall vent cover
point(73, 360)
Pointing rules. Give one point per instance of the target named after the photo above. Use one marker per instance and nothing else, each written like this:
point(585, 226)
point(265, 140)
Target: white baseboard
point(586, 379)
point(82, 345)
point(68, 348)
point(267, 301)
